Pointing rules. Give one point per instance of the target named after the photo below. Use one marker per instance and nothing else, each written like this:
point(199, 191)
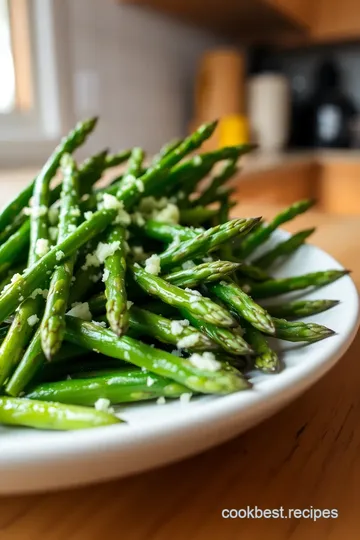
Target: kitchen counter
point(307, 455)
point(266, 161)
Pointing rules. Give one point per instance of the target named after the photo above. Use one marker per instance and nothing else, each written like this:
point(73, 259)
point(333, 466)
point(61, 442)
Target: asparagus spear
point(42, 415)
point(18, 336)
point(27, 315)
point(230, 340)
point(167, 232)
point(266, 359)
point(300, 331)
point(143, 322)
point(134, 166)
point(53, 322)
point(14, 247)
point(128, 194)
point(210, 194)
point(216, 379)
point(34, 360)
point(262, 234)
point(123, 386)
point(197, 215)
point(283, 249)
point(301, 308)
point(69, 143)
point(253, 272)
point(205, 242)
point(113, 160)
point(156, 173)
point(166, 149)
point(90, 171)
point(198, 305)
point(115, 288)
point(274, 287)
point(237, 300)
point(203, 273)
point(202, 164)
point(12, 227)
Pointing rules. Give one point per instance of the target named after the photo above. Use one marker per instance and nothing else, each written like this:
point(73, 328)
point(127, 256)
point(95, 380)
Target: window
point(34, 89)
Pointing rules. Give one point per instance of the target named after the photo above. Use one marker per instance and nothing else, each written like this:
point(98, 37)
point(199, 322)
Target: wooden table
point(307, 455)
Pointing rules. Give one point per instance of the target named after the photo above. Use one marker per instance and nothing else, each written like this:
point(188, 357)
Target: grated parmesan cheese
point(185, 397)
point(129, 303)
point(42, 247)
point(75, 212)
point(103, 251)
point(59, 255)
point(139, 184)
point(32, 320)
point(187, 265)
point(150, 381)
point(37, 211)
point(188, 341)
point(88, 215)
point(205, 361)
point(53, 232)
point(177, 327)
point(80, 310)
point(161, 401)
point(105, 274)
point(169, 214)
point(152, 265)
point(103, 405)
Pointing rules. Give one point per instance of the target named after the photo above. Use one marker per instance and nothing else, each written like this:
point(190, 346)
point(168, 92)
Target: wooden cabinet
point(246, 20)
point(281, 185)
point(333, 182)
point(336, 19)
point(339, 187)
point(302, 11)
point(285, 22)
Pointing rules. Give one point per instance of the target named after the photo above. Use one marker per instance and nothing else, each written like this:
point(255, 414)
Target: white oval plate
point(158, 434)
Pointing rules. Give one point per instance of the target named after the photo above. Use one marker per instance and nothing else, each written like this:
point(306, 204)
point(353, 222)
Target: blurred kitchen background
point(284, 74)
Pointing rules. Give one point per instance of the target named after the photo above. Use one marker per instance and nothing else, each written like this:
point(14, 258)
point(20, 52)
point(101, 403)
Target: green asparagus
point(300, 331)
point(216, 378)
point(123, 386)
point(264, 232)
point(274, 287)
point(202, 273)
point(285, 248)
point(115, 287)
point(205, 242)
point(211, 193)
point(200, 306)
point(230, 341)
point(68, 144)
point(301, 308)
point(53, 322)
point(42, 415)
point(239, 302)
point(266, 359)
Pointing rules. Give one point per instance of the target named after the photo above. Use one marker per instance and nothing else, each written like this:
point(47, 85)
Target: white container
point(269, 110)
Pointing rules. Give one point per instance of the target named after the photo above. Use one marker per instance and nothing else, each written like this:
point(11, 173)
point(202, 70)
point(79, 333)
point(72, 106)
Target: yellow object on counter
point(233, 130)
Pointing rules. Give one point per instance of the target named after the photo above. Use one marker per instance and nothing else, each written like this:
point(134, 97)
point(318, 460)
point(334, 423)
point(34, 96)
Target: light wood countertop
point(307, 455)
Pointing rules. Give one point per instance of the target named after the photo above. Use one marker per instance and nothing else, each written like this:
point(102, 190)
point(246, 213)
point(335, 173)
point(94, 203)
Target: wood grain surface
point(307, 455)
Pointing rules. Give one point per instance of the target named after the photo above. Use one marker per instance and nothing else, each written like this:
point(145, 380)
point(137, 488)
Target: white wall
point(136, 69)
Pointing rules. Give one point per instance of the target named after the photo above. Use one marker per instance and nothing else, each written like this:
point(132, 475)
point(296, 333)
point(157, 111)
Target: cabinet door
point(337, 19)
point(282, 185)
point(340, 187)
point(301, 11)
